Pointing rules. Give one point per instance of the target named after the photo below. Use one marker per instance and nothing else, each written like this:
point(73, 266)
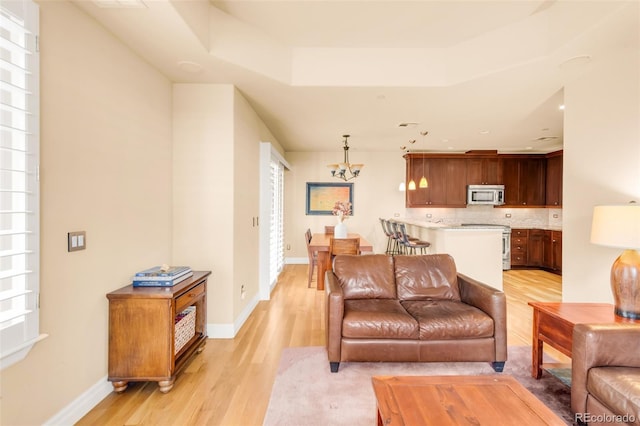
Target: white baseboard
point(229, 331)
point(80, 406)
point(84, 403)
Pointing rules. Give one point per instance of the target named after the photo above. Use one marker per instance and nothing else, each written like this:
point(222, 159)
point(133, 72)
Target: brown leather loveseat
point(411, 308)
point(605, 374)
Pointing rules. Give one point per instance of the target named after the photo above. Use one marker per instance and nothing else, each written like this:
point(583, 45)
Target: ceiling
point(475, 74)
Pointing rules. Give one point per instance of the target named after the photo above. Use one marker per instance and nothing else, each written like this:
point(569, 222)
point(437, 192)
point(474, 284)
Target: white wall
point(203, 193)
point(105, 169)
point(601, 164)
point(217, 139)
point(375, 195)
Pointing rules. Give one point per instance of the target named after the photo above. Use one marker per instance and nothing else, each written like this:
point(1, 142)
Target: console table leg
point(165, 385)
point(119, 386)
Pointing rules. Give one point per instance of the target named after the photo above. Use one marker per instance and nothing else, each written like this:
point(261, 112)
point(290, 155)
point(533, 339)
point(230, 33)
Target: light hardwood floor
point(230, 382)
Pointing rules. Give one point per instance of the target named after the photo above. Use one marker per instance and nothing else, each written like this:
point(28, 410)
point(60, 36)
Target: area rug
point(305, 392)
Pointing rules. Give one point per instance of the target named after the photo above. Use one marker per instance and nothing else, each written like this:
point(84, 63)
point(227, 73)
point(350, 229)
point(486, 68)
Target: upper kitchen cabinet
point(446, 178)
point(554, 179)
point(484, 171)
point(524, 179)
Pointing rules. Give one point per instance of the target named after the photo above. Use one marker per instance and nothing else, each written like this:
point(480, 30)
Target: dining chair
point(313, 256)
point(329, 229)
point(343, 246)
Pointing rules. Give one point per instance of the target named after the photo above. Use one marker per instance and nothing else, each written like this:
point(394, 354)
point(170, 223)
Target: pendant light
point(423, 181)
point(340, 170)
point(412, 183)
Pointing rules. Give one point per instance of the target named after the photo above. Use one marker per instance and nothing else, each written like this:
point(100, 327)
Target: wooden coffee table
point(553, 324)
point(458, 400)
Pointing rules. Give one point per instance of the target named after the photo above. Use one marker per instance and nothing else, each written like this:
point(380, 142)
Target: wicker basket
point(185, 327)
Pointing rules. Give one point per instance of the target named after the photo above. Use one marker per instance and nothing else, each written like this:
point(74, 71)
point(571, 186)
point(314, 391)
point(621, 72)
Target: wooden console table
point(458, 400)
point(553, 324)
point(142, 331)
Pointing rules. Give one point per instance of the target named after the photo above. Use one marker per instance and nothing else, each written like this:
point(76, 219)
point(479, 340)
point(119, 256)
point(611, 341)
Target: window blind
point(276, 232)
point(19, 187)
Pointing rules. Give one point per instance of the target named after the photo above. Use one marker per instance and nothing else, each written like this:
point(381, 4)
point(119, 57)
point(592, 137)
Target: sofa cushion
point(378, 318)
point(427, 277)
point(448, 320)
point(617, 388)
point(365, 277)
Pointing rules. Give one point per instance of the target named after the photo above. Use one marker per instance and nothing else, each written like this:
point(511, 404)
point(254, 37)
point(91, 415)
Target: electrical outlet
point(243, 292)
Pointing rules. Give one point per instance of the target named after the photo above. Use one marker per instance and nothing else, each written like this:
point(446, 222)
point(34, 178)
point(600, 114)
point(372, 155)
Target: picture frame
point(322, 196)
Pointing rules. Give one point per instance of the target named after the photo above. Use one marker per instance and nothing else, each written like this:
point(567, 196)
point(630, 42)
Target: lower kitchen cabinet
point(553, 251)
point(536, 248)
point(519, 247)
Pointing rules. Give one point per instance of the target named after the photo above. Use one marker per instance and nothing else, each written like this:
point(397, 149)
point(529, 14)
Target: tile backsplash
point(514, 217)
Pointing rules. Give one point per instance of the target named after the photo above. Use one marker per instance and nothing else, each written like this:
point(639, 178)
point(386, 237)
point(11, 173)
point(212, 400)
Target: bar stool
point(398, 247)
point(411, 244)
point(388, 233)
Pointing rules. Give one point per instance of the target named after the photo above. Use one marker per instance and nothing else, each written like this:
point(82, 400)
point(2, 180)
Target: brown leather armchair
point(411, 308)
point(605, 374)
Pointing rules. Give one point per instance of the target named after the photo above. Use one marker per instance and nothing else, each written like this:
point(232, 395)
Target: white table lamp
point(619, 226)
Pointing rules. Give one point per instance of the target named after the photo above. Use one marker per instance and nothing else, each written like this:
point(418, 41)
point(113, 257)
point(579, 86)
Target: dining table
point(320, 243)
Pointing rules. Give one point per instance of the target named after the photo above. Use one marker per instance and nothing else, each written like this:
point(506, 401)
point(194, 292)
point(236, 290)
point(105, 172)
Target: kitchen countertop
point(461, 243)
point(545, 228)
point(457, 226)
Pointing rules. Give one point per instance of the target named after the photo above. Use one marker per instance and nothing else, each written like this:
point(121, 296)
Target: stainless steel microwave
point(491, 195)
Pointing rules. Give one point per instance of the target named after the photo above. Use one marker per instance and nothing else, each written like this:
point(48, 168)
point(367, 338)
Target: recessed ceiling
point(315, 70)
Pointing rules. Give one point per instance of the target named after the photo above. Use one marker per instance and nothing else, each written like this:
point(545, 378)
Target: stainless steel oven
point(506, 241)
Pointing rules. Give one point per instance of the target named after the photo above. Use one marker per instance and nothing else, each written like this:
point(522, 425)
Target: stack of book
point(161, 276)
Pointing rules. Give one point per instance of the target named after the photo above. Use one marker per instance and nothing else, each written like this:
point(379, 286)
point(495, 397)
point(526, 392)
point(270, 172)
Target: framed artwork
point(321, 197)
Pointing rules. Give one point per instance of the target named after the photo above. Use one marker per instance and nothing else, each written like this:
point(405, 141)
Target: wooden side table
point(553, 324)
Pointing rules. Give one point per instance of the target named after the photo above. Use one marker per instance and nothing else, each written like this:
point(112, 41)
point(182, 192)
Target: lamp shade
point(616, 226)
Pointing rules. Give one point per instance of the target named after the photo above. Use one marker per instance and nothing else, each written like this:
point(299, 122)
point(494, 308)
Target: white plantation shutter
point(276, 231)
point(19, 187)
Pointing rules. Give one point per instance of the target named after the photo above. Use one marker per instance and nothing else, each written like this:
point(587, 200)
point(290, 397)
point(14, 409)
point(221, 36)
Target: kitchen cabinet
point(524, 181)
point(484, 171)
point(553, 250)
point(519, 246)
point(446, 178)
point(535, 248)
point(529, 180)
point(554, 179)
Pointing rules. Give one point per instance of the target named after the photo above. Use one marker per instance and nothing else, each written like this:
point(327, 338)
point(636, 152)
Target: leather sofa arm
point(334, 316)
point(600, 345)
point(493, 302)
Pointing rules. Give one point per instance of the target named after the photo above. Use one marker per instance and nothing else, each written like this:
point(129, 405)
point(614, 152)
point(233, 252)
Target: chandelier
point(345, 170)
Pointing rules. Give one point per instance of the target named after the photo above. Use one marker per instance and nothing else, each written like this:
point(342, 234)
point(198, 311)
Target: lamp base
point(625, 284)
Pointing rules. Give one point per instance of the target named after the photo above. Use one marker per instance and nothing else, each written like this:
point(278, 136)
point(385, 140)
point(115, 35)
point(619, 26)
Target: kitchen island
point(477, 252)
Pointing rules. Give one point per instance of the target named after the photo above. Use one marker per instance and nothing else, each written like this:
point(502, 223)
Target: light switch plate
point(76, 241)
